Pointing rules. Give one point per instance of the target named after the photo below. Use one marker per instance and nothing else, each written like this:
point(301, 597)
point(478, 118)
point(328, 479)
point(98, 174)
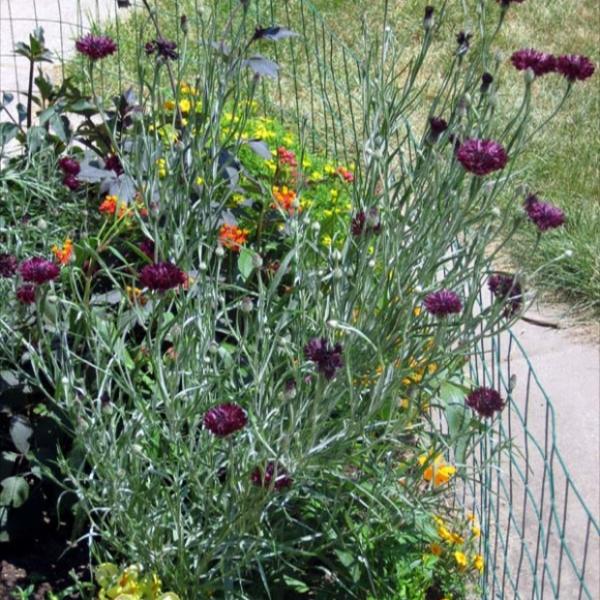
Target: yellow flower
point(478, 562)
point(461, 559)
point(476, 531)
point(306, 163)
point(417, 311)
point(199, 180)
point(169, 104)
point(316, 176)
point(404, 403)
point(329, 169)
point(271, 165)
point(288, 139)
point(437, 470)
point(327, 240)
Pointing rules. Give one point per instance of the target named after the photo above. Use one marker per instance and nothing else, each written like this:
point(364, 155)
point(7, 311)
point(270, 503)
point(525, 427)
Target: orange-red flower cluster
point(63, 255)
point(232, 237)
point(285, 199)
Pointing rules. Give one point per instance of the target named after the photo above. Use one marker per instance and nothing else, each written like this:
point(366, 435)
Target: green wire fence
point(540, 540)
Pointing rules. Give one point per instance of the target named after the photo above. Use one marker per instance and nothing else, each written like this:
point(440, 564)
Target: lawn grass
point(561, 164)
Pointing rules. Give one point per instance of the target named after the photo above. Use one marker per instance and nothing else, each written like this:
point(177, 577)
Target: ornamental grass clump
point(249, 340)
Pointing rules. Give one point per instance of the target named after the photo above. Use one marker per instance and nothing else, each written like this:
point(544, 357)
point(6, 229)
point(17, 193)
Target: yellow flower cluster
point(419, 369)
point(129, 584)
point(462, 558)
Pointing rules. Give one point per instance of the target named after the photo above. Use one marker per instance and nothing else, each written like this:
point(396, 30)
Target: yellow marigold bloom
point(471, 517)
point(437, 471)
point(63, 255)
point(316, 176)
point(461, 559)
point(417, 311)
point(404, 403)
point(478, 562)
point(436, 549)
point(288, 139)
point(169, 105)
point(185, 105)
point(457, 539)
point(476, 531)
point(445, 533)
point(432, 368)
point(135, 295)
point(329, 169)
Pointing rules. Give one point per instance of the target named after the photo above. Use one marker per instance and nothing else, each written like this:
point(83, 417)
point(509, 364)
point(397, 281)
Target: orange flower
point(232, 237)
point(436, 549)
point(63, 255)
point(437, 470)
point(109, 205)
point(285, 199)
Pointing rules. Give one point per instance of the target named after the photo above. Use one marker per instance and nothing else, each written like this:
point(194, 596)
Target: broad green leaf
point(15, 492)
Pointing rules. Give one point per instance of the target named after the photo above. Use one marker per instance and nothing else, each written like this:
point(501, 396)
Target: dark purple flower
point(71, 182)
point(26, 293)
point(481, 157)
point(540, 63)
point(507, 289)
point(575, 67)
point(486, 81)
point(225, 419)
point(545, 215)
point(69, 165)
point(147, 247)
point(327, 358)
point(96, 46)
point(113, 163)
point(8, 265)
point(38, 270)
point(507, 3)
point(428, 17)
point(366, 222)
point(485, 401)
point(163, 48)
point(437, 126)
point(443, 303)
point(162, 276)
point(274, 475)
point(463, 40)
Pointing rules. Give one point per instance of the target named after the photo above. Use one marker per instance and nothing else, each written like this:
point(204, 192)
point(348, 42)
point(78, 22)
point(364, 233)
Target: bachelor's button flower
point(540, 63)
point(274, 475)
point(26, 293)
point(545, 215)
point(575, 67)
point(327, 358)
point(96, 47)
point(443, 303)
point(8, 265)
point(162, 276)
point(38, 270)
point(481, 157)
point(485, 401)
point(225, 419)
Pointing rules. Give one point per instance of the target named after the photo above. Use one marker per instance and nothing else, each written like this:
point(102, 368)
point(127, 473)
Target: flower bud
point(428, 19)
point(338, 273)
point(257, 261)
point(220, 251)
point(247, 305)
point(529, 76)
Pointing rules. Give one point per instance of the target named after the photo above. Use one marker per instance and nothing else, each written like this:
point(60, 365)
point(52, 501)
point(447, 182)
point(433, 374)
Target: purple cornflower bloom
point(508, 289)
point(437, 126)
point(38, 270)
point(485, 401)
point(8, 265)
point(69, 165)
point(575, 67)
point(71, 182)
point(162, 276)
point(113, 163)
point(225, 419)
point(443, 303)
point(540, 63)
point(481, 157)
point(366, 222)
point(147, 247)
point(327, 358)
point(507, 3)
point(96, 47)
point(274, 475)
point(163, 48)
point(545, 215)
point(26, 293)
